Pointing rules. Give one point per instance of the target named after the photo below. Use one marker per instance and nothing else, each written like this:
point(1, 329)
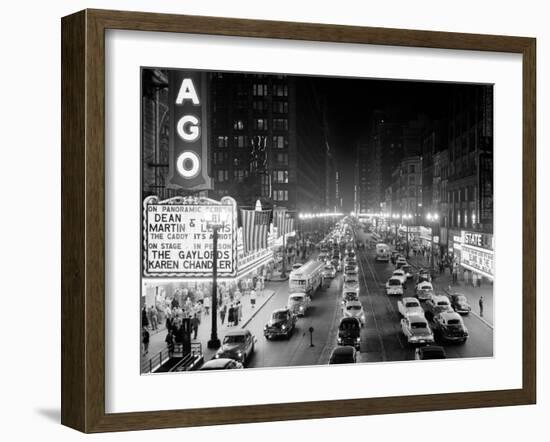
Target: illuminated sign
point(188, 156)
point(178, 239)
point(477, 253)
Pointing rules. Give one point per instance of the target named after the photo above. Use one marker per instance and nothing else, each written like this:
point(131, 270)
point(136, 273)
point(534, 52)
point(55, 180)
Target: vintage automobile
point(408, 270)
point(394, 255)
point(329, 272)
point(409, 305)
point(298, 303)
point(424, 290)
point(297, 265)
point(429, 352)
point(416, 329)
point(237, 345)
point(349, 295)
point(394, 286)
point(351, 284)
point(423, 276)
point(354, 309)
point(400, 274)
point(221, 364)
point(400, 262)
point(343, 355)
point(282, 323)
point(437, 304)
point(351, 266)
point(449, 326)
point(349, 332)
point(460, 304)
point(336, 264)
point(351, 275)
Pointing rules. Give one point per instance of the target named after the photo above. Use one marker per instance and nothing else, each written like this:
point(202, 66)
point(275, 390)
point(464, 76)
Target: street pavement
point(382, 339)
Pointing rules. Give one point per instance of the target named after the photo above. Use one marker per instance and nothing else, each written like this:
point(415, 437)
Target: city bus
point(382, 252)
point(308, 278)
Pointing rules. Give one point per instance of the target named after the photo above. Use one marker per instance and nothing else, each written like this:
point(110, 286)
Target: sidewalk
point(157, 343)
point(441, 283)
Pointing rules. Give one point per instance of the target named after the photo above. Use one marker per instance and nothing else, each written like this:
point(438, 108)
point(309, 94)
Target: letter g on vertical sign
point(188, 155)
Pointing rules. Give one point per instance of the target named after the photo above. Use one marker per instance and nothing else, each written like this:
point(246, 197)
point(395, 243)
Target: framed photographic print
point(253, 211)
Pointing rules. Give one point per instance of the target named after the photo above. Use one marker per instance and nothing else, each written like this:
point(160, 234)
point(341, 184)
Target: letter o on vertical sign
point(188, 164)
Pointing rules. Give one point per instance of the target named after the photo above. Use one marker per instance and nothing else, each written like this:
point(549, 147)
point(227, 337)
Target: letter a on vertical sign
point(188, 157)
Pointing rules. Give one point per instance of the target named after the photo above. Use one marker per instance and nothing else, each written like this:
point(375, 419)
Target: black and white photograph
point(293, 220)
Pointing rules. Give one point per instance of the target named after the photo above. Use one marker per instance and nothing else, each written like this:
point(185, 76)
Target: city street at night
point(291, 220)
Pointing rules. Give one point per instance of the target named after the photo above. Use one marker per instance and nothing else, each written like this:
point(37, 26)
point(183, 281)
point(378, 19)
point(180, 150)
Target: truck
point(382, 252)
point(306, 279)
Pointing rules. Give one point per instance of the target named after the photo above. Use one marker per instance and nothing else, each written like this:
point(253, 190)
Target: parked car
point(343, 355)
point(349, 332)
point(400, 262)
point(449, 326)
point(394, 286)
point(298, 303)
point(237, 345)
point(282, 323)
point(416, 329)
point(354, 309)
point(408, 306)
point(424, 290)
point(394, 255)
point(460, 304)
point(437, 304)
point(221, 364)
point(430, 352)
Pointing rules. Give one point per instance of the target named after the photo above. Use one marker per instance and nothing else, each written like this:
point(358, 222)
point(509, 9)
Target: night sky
point(351, 102)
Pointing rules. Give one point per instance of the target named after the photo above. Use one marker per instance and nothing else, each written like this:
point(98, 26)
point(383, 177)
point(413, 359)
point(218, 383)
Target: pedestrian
point(223, 310)
point(145, 341)
point(170, 343)
point(231, 316)
point(236, 317)
point(481, 306)
point(153, 317)
point(144, 319)
point(253, 298)
point(259, 287)
point(195, 321)
point(207, 305)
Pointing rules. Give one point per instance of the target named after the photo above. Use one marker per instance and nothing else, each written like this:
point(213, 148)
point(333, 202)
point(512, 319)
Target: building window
point(280, 142)
point(280, 195)
point(280, 107)
point(238, 125)
point(260, 123)
point(239, 175)
point(259, 105)
point(281, 158)
point(280, 124)
point(280, 176)
point(411, 179)
point(220, 157)
point(412, 169)
point(259, 90)
point(280, 90)
point(240, 141)
point(265, 185)
point(223, 141)
point(223, 175)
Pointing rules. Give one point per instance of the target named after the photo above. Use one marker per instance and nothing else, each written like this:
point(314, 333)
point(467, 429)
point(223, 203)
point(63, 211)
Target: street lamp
point(407, 217)
point(215, 224)
point(432, 219)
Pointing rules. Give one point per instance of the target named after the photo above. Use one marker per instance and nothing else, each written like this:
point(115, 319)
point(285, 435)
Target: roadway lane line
point(331, 342)
point(388, 303)
point(380, 340)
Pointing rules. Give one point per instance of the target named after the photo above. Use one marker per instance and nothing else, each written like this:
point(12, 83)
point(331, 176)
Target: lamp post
point(407, 217)
point(432, 219)
point(214, 341)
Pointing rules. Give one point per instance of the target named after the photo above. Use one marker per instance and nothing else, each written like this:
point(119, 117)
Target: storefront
point(477, 254)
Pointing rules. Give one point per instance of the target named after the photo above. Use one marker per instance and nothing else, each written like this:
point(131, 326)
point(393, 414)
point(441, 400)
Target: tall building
point(366, 182)
point(267, 140)
point(470, 179)
point(406, 188)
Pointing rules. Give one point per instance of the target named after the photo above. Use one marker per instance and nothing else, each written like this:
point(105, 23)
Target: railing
point(155, 362)
point(189, 361)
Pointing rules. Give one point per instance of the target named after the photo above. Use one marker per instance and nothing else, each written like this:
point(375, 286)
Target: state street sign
point(178, 241)
point(477, 253)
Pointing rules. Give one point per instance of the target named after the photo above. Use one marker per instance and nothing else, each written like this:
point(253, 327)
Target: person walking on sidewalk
point(195, 321)
point(481, 306)
point(223, 310)
point(145, 341)
point(207, 305)
point(170, 343)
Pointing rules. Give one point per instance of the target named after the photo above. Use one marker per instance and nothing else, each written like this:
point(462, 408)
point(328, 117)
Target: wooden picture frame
point(83, 220)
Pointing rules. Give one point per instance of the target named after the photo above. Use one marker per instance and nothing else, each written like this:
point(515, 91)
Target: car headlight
point(239, 354)
point(301, 307)
point(339, 339)
point(358, 339)
point(283, 327)
point(217, 355)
